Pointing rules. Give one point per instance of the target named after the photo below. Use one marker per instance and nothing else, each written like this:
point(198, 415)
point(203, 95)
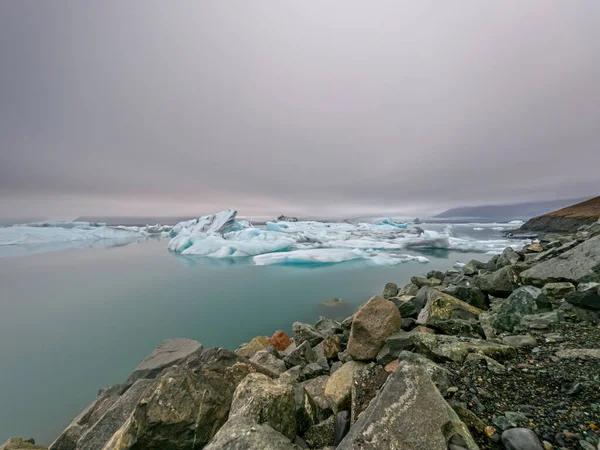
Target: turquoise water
point(74, 321)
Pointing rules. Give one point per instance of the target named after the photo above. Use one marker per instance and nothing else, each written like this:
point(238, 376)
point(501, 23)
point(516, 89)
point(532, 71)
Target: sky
point(330, 108)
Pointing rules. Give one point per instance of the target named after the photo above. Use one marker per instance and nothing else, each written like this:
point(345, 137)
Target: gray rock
point(242, 433)
point(102, 431)
point(587, 296)
point(408, 289)
point(578, 265)
point(341, 426)
point(263, 400)
point(168, 353)
point(441, 348)
point(491, 364)
point(300, 356)
point(305, 332)
point(265, 362)
point(313, 370)
point(335, 366)
point(316, 390)
point(328, 327)
point(21, 444)
point(390, 290)
point(508, 258)
point(521, 439)
point(473, 267)
point(202, 400)
point(449, 315)
point(322, 434)
point(429, 282)
point(439, 375)
point(396, 343)
point(500, 283)
point(365, 386)
point(506, 314)
point(556, 291)
point(469, 293)
point(292, 375)
point(409, 305)
point(338, 389)
point(372, 325)
point(410, 414)
point(541, 321)
point(306, 410)
point(579, 353)
point(519, 341)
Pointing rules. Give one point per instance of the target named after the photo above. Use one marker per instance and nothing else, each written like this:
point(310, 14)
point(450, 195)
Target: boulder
point(408, 289)
point(390, 290)
point(315, 369)
point(508, 258)
point(184, 409)
point(521, 439)
point(410, 305)
point(263, 400)
point(429, 282)
point(221, 361)
point(248, 350)
point(21, 444)
point(168, 353)
point(306, 409)
point(101, 432)
point(305, 332)
point(587, 296)
point(536, 247)
point(328, 327)
point(338, 389)
point(372, 325)
point(243, 433)
point(301, 356)
point(292, 376)
point(541, 321)
point(341, 427)
point(557, 291)
point(436, 274)
point(265, 362)
point(321, 434)
point(506, 314)
point(316, 390)
point(397, 343)
point(280, 340)
point(439, 375)
point(473, 267)
point(410, 414)
point(441, 348)
point(468, 293)
point(581, 264)
point(519, 341)
point(500, 283)
point(328, 348)
point(449, 314)
point(365, 387)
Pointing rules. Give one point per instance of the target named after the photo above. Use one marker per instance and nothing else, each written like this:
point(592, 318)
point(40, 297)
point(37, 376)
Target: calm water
point(77, 320)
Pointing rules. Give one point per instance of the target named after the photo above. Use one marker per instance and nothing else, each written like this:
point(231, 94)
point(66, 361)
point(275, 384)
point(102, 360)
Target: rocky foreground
point(503, 354)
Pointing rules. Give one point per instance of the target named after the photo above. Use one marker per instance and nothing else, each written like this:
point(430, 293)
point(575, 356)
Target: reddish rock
point(391, 367)
point(280, 340)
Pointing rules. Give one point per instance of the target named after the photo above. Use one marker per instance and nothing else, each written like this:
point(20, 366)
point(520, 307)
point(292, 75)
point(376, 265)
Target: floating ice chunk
point(516, 222)
point(390, 224)
point(498, 228)
point(221, 222)
point(478, 229)
point(458, 265)
point(312, 256)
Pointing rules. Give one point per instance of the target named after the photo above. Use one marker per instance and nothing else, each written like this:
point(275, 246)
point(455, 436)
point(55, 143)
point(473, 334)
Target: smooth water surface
point(74, 321)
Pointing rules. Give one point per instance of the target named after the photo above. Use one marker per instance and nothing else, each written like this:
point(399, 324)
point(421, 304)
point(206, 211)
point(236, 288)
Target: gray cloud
point(339, 107)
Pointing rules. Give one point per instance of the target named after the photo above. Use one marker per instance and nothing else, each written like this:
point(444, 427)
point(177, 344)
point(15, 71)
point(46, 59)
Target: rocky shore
point(499, 355)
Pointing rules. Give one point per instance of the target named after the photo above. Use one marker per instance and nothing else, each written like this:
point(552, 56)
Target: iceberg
point(389, 222)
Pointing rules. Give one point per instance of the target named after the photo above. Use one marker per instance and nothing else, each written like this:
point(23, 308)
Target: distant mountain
point(502, 213)
point(133, 221)
point(567, 219)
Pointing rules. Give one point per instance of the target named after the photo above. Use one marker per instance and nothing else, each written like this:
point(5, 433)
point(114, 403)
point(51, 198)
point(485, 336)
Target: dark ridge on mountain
point(567, 219)
point(501, 213)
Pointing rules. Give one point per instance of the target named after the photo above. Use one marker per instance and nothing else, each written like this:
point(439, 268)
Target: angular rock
point(248, 350)
point(395, 344)
point(301, 356)
point(500, 283)
point(316, 390)
point(313, 370)
point(449, 314)
point(338, 389)
point(408, 289)
point(506, 314)
point(541, 321)
point(556, 291)
point(21, 444)
point(305, 332)
point(292, 376)
point(341, 426)
point(221, 361)
point(306, 410)
point(328, 348)
point(473, 267)
point(521, 439)
point(409, 305)
point(168, 353)
point(491, 364)
point(390, 290)
point(263, 400)
point(265, 362)
point(581, 264)
point(422, 282)
point(410, 414)
point(280, 340)
point(365, 387)
point(436, 274)
point(579, 353)
point(328, 327)
point(243, 433)
point(519, 341)
point(322, 434)
point(372, 325)
point(469, 293)
point(508, 258)
point(587, 296)
point(439, 375)
point(536, 247)
point(441, 348)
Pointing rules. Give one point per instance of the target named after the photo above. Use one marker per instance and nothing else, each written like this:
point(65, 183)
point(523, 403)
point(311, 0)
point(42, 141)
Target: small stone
point(521, 439)
point(280, 340)
point(452, 389)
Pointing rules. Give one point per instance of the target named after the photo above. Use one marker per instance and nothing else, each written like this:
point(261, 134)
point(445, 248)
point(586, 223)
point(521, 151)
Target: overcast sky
point(319, 107)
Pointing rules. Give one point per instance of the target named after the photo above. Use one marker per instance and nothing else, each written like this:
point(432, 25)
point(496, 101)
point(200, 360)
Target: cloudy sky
point(324, 107)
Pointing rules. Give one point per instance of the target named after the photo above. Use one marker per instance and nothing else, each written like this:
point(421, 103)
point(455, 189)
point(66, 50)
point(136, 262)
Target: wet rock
point(338, 389)
point(500, 283)
point(248, 350)
point(409, 413)
point(365, 386)
point(390, 290)
point(243, 433)
point(168, 353)
point(263, 400)
point(280, 340)
point(578, 265)
point(521, 439)
point(372, 325)
point(305, 332)
point(328, 327)
point(322, 434)
point(301, 356)
point(202, 405)
point(265, 362)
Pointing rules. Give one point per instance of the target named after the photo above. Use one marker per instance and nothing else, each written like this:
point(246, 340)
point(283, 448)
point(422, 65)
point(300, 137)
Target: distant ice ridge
point(313, 242)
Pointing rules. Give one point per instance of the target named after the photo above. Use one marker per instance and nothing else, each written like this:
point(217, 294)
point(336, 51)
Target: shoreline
point(303, 388)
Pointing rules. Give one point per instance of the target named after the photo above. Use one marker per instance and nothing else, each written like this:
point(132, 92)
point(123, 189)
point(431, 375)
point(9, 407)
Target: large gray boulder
point(449, 315)
point(184, 409)
point(500, 283)
point(467, 292)
point(508, 258)
point(587, 296)
point(306, 332)
point(316, 390)
point(338, 389)
point(168, 353)
point(410, 414)
point(441, 348)
point(521, 439)
point(506, 314)
point(242, 433)
point(265, 362)
point(263, 400)
point(578, 265)
point(372, 325)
